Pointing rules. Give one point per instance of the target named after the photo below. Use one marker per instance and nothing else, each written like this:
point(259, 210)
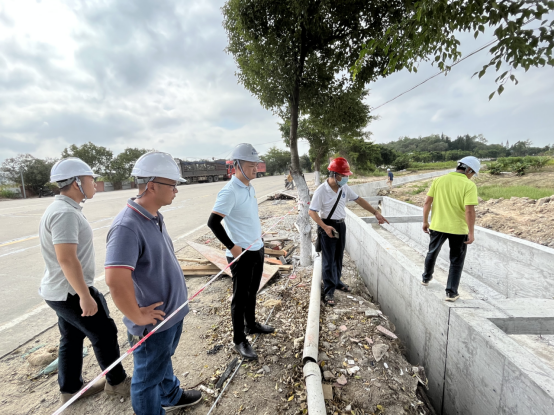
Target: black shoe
point(425, 282)
point(246, 351)
point(259, 329)
point(188, 398)
point(451, 297)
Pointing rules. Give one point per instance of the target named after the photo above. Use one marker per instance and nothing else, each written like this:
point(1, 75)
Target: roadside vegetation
point(507, 192)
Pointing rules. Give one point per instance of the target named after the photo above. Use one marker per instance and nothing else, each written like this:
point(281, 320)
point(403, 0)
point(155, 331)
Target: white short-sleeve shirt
point(324, 198)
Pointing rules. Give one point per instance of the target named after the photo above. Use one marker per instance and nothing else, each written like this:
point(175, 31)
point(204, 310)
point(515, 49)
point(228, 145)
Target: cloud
point(146, 73)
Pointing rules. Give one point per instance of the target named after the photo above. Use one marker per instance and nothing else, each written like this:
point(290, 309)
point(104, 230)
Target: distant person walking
point(146, 283)
point(453, 198)
point(68, 284)
point(237, 207)
point(328, 210)
point(290, 180)
point(391, 178)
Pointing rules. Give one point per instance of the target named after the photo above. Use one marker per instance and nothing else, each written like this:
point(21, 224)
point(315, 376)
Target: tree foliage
point(97, 157)
point(523, 32)
point(36, 172)
point(120, 167)
point(277, 161)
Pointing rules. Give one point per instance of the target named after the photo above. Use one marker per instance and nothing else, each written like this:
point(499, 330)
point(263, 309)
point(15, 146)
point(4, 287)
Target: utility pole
point(23, 185)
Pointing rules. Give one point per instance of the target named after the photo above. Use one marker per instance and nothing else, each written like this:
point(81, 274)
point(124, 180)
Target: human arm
point(73, 272)
point(367, 206)
point(122, 290)
point(470, 219)
point(214, 223)
point(426, 212)
point(327, 228)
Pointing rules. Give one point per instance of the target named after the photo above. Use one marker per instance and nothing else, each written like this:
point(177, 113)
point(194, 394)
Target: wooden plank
point(271, 260)
point(200, 273)
point(199, 268)
point(272, 252)
point(218, 258)
point(193, 260)
point(403, 219)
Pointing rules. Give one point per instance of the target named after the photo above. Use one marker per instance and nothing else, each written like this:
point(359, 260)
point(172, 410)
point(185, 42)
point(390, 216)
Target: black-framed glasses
point(174, 186)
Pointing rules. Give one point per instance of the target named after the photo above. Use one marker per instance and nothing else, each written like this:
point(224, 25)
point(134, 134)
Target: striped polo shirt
point(139, 241)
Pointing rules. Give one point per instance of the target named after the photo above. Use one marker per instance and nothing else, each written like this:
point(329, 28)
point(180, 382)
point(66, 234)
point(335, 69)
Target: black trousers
point(332, 252)
point(247, 274)
point(458, 250)
point(99, 328)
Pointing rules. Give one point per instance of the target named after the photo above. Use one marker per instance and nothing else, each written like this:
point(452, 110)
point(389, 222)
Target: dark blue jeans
point(154, 385)
point(458, 250)
point(332, 252)
point(99, 328)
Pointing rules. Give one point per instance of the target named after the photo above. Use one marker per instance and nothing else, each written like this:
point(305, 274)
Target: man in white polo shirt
point(329, 201)
point(237, 204)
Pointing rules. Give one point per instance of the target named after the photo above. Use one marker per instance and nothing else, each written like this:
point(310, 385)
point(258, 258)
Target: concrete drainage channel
point(474, 361)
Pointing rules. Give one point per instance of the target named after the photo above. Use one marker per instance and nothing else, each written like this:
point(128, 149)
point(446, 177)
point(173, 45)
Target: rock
point(274, 359)
point(326, 345)
point(327, 375)
point(327, 391)
point(355, 340)
point(342, 380)
point(343, 328)
point(369, 340)
point(353, 370)
point(480, 200)
point(348, 408)
point(272, 303)
point(322, 356)
point(42, 357)
point(386, 332)
point(379, 351)
point(543, 201)
point(186, 374)
point(298, 342)
point(266, 369)
point(371, 312)
point(333, 318)
point(331, 327)
point(260, 371)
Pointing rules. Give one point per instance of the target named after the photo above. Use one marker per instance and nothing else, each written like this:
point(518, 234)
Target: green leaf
point(490, 96)
point(500, 89)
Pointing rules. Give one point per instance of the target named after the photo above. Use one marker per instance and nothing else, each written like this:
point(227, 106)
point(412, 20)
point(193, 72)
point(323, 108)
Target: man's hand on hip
point(149, 315)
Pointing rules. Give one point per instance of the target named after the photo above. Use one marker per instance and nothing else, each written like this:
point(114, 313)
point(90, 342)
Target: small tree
point(97, 157)
point(36, 172)
point(121, 166)
point(276, 160)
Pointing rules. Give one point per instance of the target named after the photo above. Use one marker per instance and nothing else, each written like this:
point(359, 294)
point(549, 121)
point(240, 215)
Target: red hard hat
point(340, 165)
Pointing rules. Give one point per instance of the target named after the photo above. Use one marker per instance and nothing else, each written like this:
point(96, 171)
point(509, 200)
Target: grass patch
point(419, 189)
point(451, 164)
point(495, 192)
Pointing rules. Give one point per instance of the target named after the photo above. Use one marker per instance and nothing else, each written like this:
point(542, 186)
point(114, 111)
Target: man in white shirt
point(328, 210)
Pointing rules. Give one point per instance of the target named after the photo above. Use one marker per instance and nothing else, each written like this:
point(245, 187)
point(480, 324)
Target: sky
point(154, 74)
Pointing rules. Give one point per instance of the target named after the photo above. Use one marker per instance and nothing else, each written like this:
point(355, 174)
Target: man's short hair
point(464, 167)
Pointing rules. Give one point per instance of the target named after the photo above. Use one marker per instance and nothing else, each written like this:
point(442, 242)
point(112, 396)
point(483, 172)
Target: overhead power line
point(453, 65)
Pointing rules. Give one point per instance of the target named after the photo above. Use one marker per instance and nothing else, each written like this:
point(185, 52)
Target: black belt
point(327, 221)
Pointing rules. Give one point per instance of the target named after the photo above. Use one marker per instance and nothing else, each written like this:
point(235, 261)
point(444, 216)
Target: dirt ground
point(274, 384)
point(525, 218)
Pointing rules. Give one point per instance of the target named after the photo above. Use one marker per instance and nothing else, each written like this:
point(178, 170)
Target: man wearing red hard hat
point(328, 210)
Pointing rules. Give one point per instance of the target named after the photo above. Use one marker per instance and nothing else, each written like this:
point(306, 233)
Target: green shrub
point(494, 168)
point(520, 168)
point(6, 193)
point(401, 162)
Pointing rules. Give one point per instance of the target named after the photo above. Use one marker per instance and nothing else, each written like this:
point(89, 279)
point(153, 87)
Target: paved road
point(22, 264)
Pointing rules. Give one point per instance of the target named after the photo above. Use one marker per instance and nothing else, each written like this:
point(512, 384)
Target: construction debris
point(281, 196)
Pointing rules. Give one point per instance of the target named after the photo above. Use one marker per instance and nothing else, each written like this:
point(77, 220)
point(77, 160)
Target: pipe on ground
point(312, 373)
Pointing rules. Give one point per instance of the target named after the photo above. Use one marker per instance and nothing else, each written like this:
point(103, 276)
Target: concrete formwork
point(511, 266)
point(473, 366)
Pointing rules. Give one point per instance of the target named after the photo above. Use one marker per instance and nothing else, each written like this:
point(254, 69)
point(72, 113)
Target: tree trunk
point(317, 179)
point(303, 220)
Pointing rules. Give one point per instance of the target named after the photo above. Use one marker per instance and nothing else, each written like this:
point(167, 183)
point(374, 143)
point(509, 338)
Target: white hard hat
point(246, 152)
point(471, 162)
point(388, 169)
point(69, 168)
point(157, 164)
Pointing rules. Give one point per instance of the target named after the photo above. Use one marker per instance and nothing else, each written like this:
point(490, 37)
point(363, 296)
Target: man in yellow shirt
point(453, 198)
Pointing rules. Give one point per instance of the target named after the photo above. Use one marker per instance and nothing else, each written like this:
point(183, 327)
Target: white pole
point(23, 184)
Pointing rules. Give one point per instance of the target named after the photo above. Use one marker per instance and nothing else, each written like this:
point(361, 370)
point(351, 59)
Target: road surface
point(23, 313)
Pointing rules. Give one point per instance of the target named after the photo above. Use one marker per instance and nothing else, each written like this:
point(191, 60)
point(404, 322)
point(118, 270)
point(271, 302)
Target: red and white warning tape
point(162, 323)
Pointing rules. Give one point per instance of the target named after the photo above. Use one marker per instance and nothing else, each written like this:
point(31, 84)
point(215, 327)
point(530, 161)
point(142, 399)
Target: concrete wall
point(511, 266)
point(371, 188)
point(473, 367)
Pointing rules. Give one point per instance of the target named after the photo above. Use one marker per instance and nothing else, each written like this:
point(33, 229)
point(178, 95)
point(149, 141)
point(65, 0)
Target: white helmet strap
point(240, 167)
point(144, 180)
point(69, 181)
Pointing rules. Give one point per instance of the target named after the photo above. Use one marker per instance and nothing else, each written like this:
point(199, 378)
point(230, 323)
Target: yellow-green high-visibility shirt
point(451, 193)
